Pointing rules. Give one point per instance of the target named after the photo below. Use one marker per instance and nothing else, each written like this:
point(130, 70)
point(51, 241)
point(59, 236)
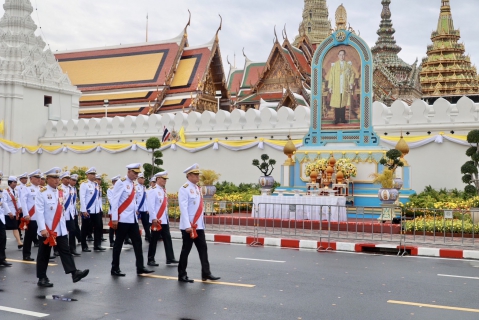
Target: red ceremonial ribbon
point(194, 224)
point(124, 205)
point(51, 240)
point(17, 212)
point(160, 213)
point(24, 224)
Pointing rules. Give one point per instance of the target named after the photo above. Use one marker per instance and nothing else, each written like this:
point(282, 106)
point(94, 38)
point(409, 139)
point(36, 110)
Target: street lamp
point(105, 104)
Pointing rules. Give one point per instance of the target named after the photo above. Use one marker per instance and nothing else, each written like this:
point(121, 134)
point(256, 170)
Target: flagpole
point(147, 27)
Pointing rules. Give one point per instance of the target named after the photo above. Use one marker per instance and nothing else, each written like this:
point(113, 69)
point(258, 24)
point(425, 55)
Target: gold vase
point(314, 176)
point(339, 177)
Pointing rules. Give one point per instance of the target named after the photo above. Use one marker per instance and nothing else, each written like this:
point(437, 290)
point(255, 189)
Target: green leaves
point(153, 168)
point(153, 143)
point(264, 167)
point(473, 136)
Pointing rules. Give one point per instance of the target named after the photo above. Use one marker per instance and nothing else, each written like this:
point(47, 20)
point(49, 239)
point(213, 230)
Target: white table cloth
point(331, 208)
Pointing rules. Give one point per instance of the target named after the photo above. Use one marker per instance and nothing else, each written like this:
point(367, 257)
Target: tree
point(153, 168)
point(265, 165)
point(470, 169)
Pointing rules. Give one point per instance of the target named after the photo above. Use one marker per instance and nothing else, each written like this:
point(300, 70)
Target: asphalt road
point(293, 284)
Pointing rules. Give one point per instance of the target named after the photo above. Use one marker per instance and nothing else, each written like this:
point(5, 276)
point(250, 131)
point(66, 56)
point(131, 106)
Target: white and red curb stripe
point(337, 246)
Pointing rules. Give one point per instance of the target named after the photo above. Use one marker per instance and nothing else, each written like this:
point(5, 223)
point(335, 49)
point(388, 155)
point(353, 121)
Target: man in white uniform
point(109, 196)
point(125, 221)
point(73, 183)
point(22, 184)
point(69, 210)
point(28, 207)
point(90, 208)
point(12, 197)
point(192, 225)
point(141, 200)
point(4, 209)
point(158, 208)
point(53, 230)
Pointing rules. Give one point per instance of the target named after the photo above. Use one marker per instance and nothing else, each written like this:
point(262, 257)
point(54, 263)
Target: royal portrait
point(340, 107)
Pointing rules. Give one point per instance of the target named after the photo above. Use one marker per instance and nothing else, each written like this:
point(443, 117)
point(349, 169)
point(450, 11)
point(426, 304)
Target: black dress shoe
point(103, 240)
point(20, 246)
point(76, 254)
point(44, 282)
point(78, 275)
point(172, 262)
point(85, 250)
point(117, 273)
point(128, 242)
point(185, 279)
point(99, 249)
point(210, 277)
point(143, 270)
point(153, 263)
point(28, 259)
point(5, 263)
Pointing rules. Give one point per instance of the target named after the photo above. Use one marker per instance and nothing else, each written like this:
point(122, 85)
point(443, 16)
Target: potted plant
point(266, 167)
point(344, 170)
point(387, 193)
point(207, 180)
point(470, 171)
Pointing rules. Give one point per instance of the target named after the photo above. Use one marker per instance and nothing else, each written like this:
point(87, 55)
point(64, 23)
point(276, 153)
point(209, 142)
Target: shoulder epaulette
point(123, 179)
point(60, 188)
point(29, 184)
point(186, 185)
point(42, 189)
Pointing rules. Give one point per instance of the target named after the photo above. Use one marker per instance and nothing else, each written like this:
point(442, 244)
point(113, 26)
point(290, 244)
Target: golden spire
point(341, 18)
point(289, 150)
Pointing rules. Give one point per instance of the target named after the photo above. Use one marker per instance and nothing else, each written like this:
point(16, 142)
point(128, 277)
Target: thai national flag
point(166, 135)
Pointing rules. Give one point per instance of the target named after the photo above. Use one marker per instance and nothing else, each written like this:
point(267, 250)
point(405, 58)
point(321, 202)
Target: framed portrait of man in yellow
point(341, 100)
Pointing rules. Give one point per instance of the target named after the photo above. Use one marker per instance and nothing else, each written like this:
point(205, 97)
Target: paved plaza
point(256, 283)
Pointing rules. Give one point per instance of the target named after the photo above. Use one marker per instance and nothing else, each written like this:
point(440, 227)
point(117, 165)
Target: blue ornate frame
point(364, 136)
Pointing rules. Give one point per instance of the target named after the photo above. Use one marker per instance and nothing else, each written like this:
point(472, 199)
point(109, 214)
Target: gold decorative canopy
point(341, 18)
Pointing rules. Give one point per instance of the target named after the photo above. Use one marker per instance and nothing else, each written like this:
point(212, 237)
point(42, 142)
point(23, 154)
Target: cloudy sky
point(75, 24)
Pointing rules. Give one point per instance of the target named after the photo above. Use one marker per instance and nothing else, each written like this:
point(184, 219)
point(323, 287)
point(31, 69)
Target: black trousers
point(155, 235)
point(71, 235)
point(93, 223)
point(200, 243)
point(145, 221)
point(30, 236)
point(43, 256)
point(3, 241)
point(77, 229)
point(133, 231)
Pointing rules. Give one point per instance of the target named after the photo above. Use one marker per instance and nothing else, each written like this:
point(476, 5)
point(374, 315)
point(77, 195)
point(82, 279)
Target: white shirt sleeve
point(40, 211)
point(183, 203)
point(83, 191)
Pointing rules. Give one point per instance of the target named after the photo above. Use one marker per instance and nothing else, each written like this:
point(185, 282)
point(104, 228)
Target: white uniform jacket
point(8, 199)
point(189, 197)
point(21, 190)
point(155, 197)
point(74, 201)
point(121, 191)
point(87, 191)
point(68, 207)
point(28, 200)
point(4, 209)
point(109, 196)
point(46, 205)
point(141, 198)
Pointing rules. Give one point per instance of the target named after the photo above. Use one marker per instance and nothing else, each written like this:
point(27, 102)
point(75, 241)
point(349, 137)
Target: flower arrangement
point(346, 167)
point(208, 177)
point(391, 161)
point(317, 165)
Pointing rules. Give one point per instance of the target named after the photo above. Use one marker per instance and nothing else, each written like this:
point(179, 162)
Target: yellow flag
point(182, 135)
point(2, 127)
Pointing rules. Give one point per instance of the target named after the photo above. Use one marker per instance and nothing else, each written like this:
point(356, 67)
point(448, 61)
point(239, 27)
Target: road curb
point(339, 246)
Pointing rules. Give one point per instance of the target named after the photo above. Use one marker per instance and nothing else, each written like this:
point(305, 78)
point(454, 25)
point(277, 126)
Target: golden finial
point(404, 148)
point(289, 150)
point(341, 18)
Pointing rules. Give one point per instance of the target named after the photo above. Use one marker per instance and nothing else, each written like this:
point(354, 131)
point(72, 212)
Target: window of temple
point(47, 101)
point(310, 14)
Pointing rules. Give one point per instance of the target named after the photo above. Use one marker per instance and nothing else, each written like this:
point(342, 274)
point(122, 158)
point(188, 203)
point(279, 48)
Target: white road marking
point(25, 312)
point(452, 276)
point(277, 261)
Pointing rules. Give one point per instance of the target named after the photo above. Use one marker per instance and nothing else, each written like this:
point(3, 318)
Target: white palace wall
point(435, 163)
